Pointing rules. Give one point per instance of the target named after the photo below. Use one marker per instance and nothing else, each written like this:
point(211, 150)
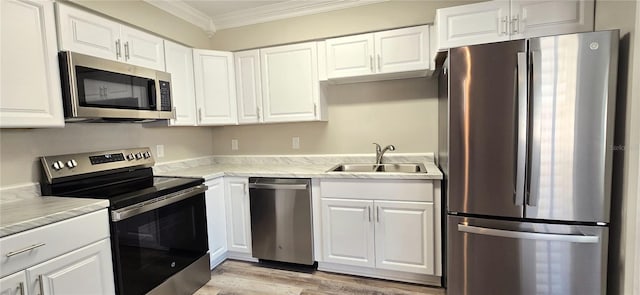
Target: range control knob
point(147, 155)
point(139, 156)
point(57, 165)
point(72, 163)
point(130, 157)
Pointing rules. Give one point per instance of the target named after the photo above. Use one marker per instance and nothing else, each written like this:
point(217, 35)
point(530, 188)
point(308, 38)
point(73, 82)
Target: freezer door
point(573, 100)
point(506, 257)
point(483, 129)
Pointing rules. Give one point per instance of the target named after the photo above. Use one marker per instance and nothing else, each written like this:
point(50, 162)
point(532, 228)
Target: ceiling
point(213, 15)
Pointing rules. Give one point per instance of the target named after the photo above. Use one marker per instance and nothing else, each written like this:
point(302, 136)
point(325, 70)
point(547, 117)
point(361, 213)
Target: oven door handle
point(133, 210)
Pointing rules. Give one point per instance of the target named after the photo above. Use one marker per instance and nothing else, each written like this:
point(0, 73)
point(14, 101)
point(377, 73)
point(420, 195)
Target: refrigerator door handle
point(527, 235)
point(521, 140)
point(534, 175)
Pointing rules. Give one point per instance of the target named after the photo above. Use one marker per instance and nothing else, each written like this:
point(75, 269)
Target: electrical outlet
point(295, 142)
point(234, 144)
point(160, 151)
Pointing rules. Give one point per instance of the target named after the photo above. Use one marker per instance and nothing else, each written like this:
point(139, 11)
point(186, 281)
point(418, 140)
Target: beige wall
point(150, 18)
point(614, 14)
point(374, 17)
point(399, 112)
point(20, 148)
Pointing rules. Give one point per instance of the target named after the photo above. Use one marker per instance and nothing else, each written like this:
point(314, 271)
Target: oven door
point(154, 240)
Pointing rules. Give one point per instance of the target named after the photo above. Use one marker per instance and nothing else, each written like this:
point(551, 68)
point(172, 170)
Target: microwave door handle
point(152, 94)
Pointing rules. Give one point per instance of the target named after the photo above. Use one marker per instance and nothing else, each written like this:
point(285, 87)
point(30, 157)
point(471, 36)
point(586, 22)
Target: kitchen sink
point(388, 168)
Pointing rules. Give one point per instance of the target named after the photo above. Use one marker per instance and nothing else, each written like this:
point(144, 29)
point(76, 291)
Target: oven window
point(152, 246)
point(102, 89)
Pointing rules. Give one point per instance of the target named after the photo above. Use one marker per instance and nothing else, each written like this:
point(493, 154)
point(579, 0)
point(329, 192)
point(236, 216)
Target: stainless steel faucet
point(380, 152)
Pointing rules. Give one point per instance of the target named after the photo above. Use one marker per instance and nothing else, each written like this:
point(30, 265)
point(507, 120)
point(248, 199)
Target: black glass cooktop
point(121, 189)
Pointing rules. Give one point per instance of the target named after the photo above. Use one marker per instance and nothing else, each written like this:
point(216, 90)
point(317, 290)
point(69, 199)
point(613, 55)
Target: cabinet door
point(216, 221)
point(87, 33)
point(215, 87)
point(543, 18)
point(179, 63)
point(402, 50)
point(348, 232)
point(249, 86)
point(30, 94)
point(290, 85)
point(142, 49)
point(15, 284)
point(405, 236)
point(238, 217)
point(483, 22)
point(87, 270)
point(350, 56)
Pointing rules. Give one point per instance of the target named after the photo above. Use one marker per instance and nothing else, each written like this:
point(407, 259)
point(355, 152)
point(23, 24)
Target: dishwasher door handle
point(299, 186)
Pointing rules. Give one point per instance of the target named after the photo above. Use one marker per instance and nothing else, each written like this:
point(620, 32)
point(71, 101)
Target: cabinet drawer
point(51, 240)
point(378, 189)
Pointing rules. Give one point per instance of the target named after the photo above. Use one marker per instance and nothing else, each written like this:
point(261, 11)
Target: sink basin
point(388, 168)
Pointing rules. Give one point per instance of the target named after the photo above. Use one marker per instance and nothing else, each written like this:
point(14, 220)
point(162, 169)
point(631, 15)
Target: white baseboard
point(381, 274)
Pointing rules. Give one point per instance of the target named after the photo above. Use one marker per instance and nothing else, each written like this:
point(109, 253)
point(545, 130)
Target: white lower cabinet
point(388, 229)
point(15, 284)
point(72, 256)
point(405, 236)
point(348, 231)
point(238, 217)
point(85, 271)
point(382, 234)
point(216, 221)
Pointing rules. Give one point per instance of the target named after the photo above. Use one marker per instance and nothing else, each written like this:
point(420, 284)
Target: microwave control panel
point(165, 96)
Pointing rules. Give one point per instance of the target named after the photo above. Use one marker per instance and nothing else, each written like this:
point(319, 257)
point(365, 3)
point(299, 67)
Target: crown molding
point(260, 14)
point(186, 12)
point(283, 10)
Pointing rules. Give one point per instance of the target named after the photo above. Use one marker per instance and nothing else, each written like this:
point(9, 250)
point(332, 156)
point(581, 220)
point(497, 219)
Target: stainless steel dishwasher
point(281, 227)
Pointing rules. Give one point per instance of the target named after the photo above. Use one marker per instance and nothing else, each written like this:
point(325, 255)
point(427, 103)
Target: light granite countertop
point(21, 214)
point(22, 208)
point(293, 167)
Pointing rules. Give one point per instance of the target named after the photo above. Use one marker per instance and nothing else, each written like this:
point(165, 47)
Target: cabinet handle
point(21, 288)
point(505, 27)
point(515, 23)
point(199, 115)
point(118, 50)
point(371, 64)
point(315, 110)
point(377, 213)
point(126, 50)
point(379, 62)
point(40, 284)
point(174, 113)
point(369, 209)
point(258, 113)
point(12, 253)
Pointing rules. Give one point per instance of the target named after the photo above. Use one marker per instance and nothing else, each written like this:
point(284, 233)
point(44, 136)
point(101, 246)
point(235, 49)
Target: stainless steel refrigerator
point(526, 149)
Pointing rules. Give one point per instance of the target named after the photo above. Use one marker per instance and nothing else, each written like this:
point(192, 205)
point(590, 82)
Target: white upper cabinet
point(543, 18)
point(83, 32)
point(248, 86)
point(290, 84)
point(473, 24)
point(30, 94)
point(350, 56)
point(393, 51)
point(495, 21)
point(179, 63)
point(215, 87)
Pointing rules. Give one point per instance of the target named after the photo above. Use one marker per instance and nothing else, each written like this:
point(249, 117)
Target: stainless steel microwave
point(98, 89)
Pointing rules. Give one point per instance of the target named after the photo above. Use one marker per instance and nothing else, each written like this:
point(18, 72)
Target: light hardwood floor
point(237, 277)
